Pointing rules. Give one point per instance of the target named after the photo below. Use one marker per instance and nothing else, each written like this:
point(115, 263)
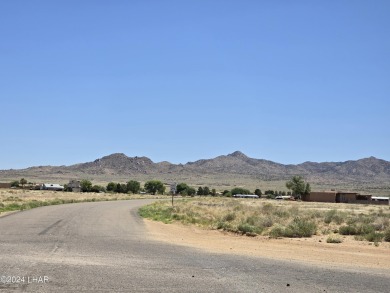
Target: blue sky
point(288, 81)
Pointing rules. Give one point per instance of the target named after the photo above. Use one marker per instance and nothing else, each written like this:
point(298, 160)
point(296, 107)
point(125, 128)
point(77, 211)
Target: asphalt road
point(104, 247)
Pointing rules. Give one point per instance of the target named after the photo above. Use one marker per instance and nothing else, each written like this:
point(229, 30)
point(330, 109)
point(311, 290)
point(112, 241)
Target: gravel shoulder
point(349, 254)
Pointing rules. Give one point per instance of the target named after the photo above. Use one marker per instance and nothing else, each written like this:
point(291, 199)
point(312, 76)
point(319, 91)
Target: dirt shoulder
point(4, 214)
point(348, 254)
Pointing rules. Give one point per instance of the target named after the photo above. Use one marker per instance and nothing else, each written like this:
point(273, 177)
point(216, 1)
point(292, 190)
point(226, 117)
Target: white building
point(246, 195)
point(52, 186)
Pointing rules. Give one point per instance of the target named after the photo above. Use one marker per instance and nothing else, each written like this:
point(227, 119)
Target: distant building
point(74, 186)
point(285, 197)
point(52, 186)
point(246, 195)
point(5, 185)
point(341, 197)
point(381, 199)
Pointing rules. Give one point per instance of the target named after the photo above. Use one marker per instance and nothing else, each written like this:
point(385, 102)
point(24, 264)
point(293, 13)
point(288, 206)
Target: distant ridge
point(225, 168)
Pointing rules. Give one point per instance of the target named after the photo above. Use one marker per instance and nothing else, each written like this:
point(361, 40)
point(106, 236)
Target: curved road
point(104, 247)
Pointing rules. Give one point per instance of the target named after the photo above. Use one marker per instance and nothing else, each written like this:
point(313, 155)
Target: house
point(74, 186)
point(326, 196)
point(52, 186)
point(5, 185)
point(338, 197)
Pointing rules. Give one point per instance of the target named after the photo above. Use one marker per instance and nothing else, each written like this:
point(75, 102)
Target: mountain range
point(227, 170)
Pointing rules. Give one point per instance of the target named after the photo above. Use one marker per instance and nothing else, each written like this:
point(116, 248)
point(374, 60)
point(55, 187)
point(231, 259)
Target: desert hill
point(226, 170)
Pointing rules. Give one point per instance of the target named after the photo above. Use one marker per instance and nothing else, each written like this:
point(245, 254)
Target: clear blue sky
point(288, 81)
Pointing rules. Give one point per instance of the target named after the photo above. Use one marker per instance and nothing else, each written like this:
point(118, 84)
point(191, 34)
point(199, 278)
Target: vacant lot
point(278, 219)
point(216, 225)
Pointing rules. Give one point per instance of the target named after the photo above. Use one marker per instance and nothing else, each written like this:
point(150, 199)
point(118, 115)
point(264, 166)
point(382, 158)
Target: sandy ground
point(348, 254)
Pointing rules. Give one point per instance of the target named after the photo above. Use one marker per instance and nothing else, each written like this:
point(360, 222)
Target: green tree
point(258, 192)
point(298, 186)
point(206, 190)
point(118, 188)
point(154, 186)
point(239, 190)
point(133, 186)
point(307, 188)
point(121, 188)
point(23, 182)
point(124, 188)
point(181, 188)
point(86, 185)
point(111, 186)
point(184, 189)
point(97, 188)
point(15, 183)
point(225, 192)
point(191, 191)
point(67, 188)
point(213, 192)
point(200, 191)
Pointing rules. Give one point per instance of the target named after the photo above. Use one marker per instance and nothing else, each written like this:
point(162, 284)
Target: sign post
point(173, 190)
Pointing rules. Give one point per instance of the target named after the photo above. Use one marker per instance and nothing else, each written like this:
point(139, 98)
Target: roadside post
point(173, 190)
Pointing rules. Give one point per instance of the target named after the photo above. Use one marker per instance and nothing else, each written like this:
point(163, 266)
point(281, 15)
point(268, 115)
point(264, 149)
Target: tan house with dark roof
point(337, 196)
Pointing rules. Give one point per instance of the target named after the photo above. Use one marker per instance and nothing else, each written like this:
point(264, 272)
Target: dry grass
point(273, 218)
point(17, 199)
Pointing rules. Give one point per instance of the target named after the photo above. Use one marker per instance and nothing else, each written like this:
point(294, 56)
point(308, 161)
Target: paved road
point(103, 247)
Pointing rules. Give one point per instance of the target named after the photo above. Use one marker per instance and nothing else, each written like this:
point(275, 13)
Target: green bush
point(277, 232)
point(386, 235)
point(300, 227)
point(251, 220)
point(331, 239)
point(333, 215)
point(224, 226)
point(374, 237)
point(245, 227)
point(347, 230)
point(229, 217)
point(249, 229)
point(365, 229)
point(296, 229)
point(176, 217)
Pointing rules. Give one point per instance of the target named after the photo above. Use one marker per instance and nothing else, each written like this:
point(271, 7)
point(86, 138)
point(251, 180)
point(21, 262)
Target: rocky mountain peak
point(115, 156)
point(227, 168)
point(238, 154)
